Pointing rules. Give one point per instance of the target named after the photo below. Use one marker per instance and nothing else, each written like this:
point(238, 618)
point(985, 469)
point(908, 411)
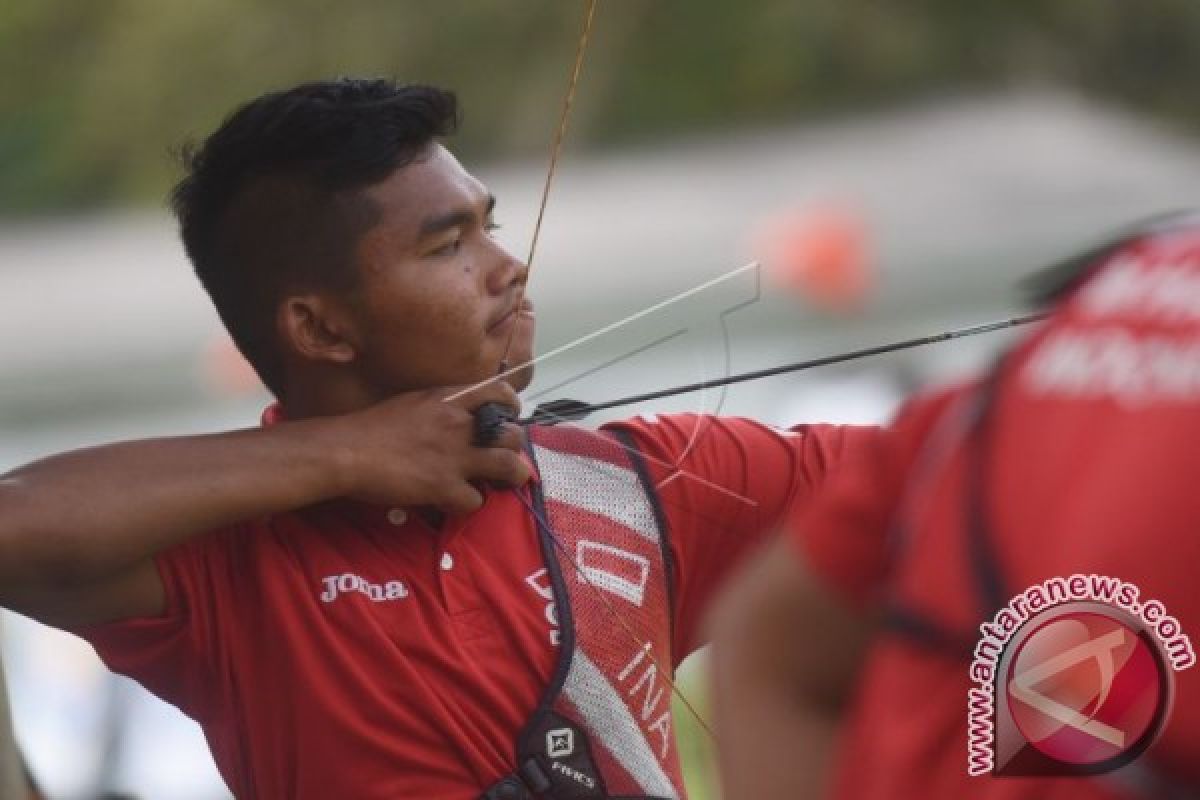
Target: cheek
point(454, 300)
point(433, 300)
point(436, 334)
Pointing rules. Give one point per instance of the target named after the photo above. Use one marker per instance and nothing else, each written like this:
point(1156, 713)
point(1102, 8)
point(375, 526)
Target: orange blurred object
point(820, 254)
point(226, 371)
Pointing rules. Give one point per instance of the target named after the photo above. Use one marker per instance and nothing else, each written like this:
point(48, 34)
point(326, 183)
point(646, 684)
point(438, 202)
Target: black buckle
point(524, 784)
point(509, 788)
point(535, 777)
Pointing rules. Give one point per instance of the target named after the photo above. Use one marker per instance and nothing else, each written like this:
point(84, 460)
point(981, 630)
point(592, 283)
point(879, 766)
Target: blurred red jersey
point(1094, 425)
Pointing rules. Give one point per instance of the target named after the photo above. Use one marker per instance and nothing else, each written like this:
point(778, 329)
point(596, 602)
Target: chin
point(521, 379)
point(522, 356)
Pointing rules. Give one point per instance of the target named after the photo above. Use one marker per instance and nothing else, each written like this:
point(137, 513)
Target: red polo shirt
point(355, 651)
point(1094, 465)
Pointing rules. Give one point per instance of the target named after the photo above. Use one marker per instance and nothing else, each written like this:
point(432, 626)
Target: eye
point(492, 227)
point(448, 249)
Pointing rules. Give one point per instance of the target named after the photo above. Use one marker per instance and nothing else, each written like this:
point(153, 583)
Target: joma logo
point(349, 582)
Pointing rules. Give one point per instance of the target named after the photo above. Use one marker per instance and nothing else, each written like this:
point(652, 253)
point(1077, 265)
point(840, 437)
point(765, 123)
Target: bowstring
point(555, 151)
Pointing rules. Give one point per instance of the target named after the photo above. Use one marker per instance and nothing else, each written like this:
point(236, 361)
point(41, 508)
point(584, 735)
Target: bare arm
point(78, 530)
point(785, 654)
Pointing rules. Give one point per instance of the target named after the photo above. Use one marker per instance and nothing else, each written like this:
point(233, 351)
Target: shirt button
point(447, 562)
point(397, 516)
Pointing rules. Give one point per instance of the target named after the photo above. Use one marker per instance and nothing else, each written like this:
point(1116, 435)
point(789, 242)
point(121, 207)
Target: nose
point(507, 270)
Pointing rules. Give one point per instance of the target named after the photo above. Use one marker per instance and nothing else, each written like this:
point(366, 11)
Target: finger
point(509, 397)
point(498, 466)
point(462, 498)
point(490, 421)
point(511, 437)
point(494, 391)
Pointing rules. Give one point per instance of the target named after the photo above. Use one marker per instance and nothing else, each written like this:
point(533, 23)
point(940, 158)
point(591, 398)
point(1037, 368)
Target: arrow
point(564, 410)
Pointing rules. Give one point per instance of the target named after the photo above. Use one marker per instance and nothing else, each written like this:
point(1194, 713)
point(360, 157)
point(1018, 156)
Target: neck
point(325, 396)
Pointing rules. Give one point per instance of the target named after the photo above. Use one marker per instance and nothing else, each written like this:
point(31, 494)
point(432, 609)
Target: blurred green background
point(96, 91)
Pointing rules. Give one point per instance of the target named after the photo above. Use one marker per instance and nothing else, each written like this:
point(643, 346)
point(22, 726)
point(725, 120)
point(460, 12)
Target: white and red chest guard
point(604, 727)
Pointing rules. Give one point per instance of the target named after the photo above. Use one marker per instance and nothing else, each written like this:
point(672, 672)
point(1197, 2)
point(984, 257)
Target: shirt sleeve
point(724, 485)
point(842, 535)
point(176, 654)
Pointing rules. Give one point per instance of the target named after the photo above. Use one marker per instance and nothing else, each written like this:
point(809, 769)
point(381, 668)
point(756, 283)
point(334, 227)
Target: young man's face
point(440, 295)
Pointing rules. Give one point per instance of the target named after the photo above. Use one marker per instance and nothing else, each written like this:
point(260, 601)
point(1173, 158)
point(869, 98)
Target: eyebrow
point(453, 219)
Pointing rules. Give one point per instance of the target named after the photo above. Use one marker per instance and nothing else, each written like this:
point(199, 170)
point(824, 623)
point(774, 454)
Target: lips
point(523, 307)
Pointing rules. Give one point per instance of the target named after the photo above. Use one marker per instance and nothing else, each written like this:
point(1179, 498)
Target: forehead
point(434, 184)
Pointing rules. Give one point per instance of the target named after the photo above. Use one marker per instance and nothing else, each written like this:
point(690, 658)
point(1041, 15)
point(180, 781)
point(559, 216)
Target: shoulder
point(673, 435)
point(677, 432)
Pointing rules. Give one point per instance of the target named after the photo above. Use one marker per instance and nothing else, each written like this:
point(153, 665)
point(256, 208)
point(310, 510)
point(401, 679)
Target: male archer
point(358, 599)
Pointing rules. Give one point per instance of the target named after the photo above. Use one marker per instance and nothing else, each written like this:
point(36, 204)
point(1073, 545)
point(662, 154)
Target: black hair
point(1050, 285)
point(272, 200)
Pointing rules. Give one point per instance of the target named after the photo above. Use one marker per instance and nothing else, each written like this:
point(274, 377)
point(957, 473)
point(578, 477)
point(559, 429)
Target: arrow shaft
point(823, 361)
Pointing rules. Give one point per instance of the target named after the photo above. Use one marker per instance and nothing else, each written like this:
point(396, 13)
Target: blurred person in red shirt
point(365, 597)
point(844, 655)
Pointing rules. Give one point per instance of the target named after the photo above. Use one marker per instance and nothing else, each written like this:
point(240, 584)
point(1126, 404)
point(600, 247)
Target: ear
point(316, 328)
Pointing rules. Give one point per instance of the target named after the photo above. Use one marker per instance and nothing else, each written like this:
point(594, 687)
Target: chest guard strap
point(603, 728)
